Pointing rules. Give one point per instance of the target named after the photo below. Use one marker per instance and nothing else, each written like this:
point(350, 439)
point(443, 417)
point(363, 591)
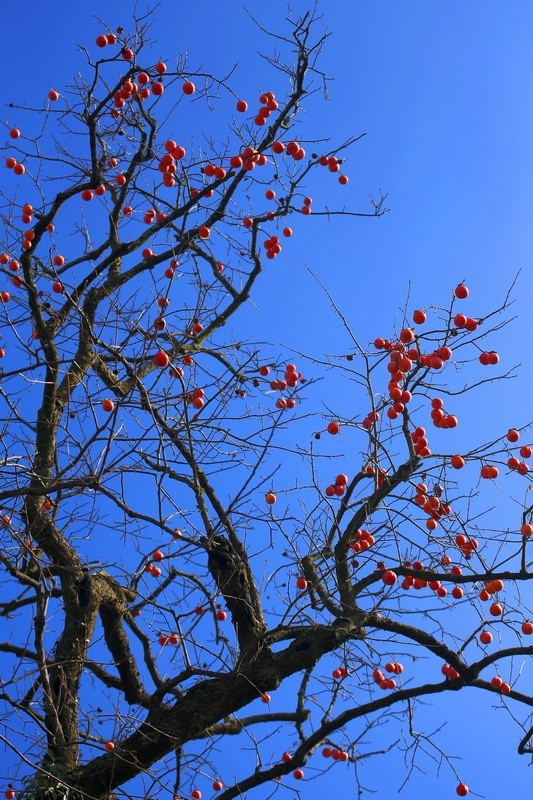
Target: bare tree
point(163, 570)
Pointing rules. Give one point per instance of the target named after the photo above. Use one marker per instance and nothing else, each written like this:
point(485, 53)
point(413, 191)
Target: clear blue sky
point(443, 90)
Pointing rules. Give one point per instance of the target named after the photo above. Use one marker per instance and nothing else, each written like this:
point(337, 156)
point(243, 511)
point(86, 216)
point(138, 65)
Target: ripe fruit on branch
point(389, 577)
point(301, 583)
point(333, 428)
point(461, 291)
point(188, 88)
point(462, 790)
point(161, 359)
point(457, 462)
point(407, 335)
point(109, 746)
point(108, 405)
point(491, 358)
point(489, 471)
point(270, 498)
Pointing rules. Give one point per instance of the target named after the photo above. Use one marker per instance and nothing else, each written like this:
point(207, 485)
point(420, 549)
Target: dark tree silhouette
point(171, 555)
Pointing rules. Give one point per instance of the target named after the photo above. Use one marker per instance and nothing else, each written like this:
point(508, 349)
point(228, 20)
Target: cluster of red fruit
point(136, 90)
point(249, 159)
point(335, 754)
point(436, 359)
point(14, 265)
point(498, 684)
point(268, 105)
point(339, 672)
point(370, 420)
point(26, 216)
point(88, 194)
point(466, 545)
point(420, 442)
point(292, 149)
point(289, 381)
point(489, 358)
point(389, 578)
point(469, 323)
point(401, 362)
point(334, 165)
point(306, 208)
point(491, 587)
point(439, 417)
point(167, 166)
point(196, 398)
point(382, 681)
point(525, 451)
point(105, 38)
point(449, 672)
point(489, 471)
point(151, 568)
point(461, 320)
point(170, 638)
point(431, 505)
point(362, 540)
point(12, 163)
point(411, 582)
point(272, 244)
point(338, 488)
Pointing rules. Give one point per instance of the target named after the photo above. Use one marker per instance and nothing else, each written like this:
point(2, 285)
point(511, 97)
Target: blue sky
point(442, 91)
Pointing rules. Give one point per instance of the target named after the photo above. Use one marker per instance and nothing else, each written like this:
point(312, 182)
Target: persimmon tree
point(165, 576)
